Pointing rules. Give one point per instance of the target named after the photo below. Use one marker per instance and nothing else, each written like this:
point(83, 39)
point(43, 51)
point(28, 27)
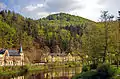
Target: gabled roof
point(2, 51)
point(13, 53)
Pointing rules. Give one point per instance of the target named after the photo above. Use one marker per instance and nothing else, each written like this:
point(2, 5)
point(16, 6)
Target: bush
point(106, 71)
point(24, 68)
point(87, 75)
point(93, 66)
point(85, 68)
point(103, 71)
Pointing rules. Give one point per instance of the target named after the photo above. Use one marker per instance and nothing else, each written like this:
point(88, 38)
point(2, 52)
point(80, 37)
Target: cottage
point(11, 57)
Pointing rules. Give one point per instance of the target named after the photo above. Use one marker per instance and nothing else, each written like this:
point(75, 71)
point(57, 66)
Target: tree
point(6, 34)
point(105, 17)
point(118, 40)
point(65, 38)
point(92, 43)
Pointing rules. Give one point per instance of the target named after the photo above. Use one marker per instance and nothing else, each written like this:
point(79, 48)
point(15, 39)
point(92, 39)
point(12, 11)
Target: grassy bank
point(117, 76)
point(12, 70)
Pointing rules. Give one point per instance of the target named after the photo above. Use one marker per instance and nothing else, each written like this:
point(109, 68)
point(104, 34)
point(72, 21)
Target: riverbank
point(58, 73)
point(104, 71)
point(51, 66)
point(117, 74)
point(12, 70)
point(18, 70)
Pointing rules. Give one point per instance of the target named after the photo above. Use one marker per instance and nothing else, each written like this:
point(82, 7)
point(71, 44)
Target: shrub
point(93, 66)
point(85, 68)
point(87, 75)
point(23, 68)
point(106, 71)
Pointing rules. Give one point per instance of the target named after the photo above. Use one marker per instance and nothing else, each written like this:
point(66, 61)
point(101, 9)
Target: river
point(59, 73)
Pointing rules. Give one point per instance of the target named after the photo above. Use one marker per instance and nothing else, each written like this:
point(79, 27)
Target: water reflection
point(19, 77)
point(61, 73)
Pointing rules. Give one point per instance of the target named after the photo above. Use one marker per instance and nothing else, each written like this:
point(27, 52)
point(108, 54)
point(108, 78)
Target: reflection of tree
point(5, 61)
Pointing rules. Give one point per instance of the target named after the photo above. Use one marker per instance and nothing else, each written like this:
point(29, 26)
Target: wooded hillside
point(56, 33)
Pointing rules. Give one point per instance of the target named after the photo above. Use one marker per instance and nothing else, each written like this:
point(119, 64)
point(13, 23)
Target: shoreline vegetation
point(12, 70)
point(102, 71)
point(19, 70)
point(94, 42)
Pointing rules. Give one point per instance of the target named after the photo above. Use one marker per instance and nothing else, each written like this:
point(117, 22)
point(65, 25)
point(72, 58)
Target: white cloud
point(90, 11)
point(113, 6)
point(42, 14)
point(34, 11)
point(2, 6)
point(85, 8)
point(50, 6)
point(63, 5)
point(33, 7)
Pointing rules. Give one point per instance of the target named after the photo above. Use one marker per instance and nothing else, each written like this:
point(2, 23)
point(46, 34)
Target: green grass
point(36, 68)
point(118, 70)
point(12, 70)
point(117, 73)
point(86, 75)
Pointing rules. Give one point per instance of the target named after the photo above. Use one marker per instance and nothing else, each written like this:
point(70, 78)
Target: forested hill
point(55, 33)
point(66, 17)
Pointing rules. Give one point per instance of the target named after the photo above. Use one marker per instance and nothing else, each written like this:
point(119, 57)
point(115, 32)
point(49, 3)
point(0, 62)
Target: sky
point(90, 9)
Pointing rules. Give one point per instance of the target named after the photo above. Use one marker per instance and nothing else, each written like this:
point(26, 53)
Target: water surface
point(59, 73)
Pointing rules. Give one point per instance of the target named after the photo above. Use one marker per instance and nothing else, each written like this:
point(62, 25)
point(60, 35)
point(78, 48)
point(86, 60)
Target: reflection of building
point(11, 57)
point(19, 77)
point(63, 73)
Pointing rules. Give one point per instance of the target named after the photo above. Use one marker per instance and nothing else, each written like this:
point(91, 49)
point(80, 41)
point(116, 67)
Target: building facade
point(11, 58)
point(56, 57)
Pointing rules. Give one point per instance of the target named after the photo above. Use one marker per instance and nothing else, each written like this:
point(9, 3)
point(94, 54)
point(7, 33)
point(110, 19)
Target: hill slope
point(55, 33)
